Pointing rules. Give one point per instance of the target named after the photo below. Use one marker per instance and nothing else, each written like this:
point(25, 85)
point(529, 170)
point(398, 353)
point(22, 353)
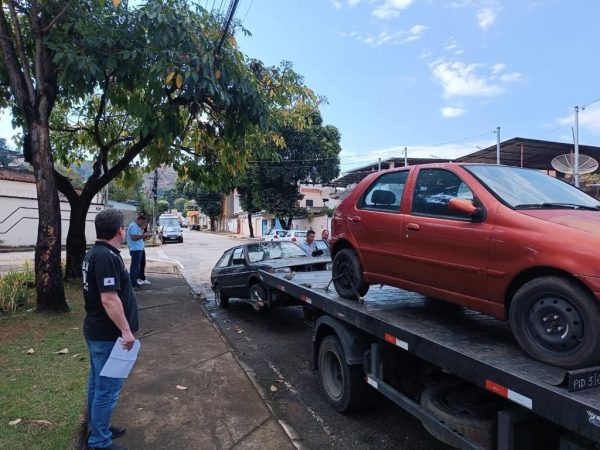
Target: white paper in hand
point(121, 361)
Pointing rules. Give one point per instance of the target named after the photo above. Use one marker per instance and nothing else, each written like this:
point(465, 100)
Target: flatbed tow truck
point(458, 371)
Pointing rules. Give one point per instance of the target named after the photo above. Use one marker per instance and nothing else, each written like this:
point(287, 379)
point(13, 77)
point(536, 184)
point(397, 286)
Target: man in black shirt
point(111, 312)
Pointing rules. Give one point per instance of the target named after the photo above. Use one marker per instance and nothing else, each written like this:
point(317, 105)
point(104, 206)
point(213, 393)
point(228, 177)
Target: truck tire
point(343, 385)
point(450, 403)
point(347, 274)
point(221, 300)
point(555, 321)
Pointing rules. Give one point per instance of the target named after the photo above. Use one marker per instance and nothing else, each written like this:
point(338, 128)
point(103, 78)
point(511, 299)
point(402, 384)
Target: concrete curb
point(290, 432)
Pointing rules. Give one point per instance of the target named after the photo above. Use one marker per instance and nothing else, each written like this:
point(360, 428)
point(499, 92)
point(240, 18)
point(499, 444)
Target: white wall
point(19, 215)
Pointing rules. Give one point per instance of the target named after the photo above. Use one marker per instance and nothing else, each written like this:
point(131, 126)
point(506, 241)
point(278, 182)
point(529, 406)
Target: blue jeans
point(136, 262)
point(103, 393)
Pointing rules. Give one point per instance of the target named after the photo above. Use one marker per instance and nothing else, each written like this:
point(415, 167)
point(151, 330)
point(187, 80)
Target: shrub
point(14, 289)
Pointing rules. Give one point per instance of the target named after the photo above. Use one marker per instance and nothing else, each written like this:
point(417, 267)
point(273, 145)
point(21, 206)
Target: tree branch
point(56, 18)
point(21, 51)
point(16, 77)
point(64, 185)
point(94, 184)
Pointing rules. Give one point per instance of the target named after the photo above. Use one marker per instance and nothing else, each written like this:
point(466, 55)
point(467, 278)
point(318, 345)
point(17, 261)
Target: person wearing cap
point(135, 242)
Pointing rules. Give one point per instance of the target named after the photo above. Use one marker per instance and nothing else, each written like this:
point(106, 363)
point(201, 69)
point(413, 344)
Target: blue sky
point(424, 73)
point(420, 73)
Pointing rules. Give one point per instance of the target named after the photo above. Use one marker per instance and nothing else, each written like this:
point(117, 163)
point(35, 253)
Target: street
point(276, 345)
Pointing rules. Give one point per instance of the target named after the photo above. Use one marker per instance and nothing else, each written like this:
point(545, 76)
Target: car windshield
point(265, 251)
point(170, 222)
point(530, 189)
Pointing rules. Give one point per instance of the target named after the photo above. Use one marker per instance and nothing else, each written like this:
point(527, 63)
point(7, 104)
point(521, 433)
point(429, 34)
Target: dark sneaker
point(117, 432)
point(113, 447)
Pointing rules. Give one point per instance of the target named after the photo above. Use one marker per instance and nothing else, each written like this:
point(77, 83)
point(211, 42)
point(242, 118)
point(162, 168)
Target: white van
point(169, 228)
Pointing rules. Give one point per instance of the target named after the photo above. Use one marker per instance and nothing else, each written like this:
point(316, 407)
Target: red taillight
point(293, 239)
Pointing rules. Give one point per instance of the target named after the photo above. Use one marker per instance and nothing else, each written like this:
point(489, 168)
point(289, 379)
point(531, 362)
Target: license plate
point(578, 380)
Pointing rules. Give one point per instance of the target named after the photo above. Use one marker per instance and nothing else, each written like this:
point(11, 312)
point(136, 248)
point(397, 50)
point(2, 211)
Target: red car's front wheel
point(347, 274)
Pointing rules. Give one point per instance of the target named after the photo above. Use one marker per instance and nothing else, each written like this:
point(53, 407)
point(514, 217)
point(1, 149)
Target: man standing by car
point(111, 312)
point(135, 242)
point(309, 244)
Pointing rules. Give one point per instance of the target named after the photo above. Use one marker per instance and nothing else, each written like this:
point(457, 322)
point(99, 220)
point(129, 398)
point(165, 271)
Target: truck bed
point(473, 346)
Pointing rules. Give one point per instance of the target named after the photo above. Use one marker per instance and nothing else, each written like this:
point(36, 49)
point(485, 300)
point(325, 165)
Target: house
point(19, 210)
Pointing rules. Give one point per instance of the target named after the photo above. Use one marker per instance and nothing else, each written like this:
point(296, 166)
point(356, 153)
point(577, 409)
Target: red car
point(510, 242)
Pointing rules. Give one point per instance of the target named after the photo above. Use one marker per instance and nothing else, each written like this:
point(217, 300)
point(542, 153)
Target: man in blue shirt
point(135, 242)
point(309, 245)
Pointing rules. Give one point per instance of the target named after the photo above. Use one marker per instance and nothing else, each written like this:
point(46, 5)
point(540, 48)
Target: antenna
point(566, 164)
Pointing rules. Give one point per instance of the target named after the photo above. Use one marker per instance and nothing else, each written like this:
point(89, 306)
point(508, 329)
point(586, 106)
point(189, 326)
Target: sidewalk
point(187, 389)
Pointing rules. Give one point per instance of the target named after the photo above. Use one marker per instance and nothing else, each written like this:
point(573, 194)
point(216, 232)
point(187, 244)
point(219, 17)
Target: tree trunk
point(289, 222)
point(48, 281)
point(76, 242)
point(250, 227)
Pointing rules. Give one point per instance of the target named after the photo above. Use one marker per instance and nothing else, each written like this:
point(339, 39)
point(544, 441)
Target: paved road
point(276, 346)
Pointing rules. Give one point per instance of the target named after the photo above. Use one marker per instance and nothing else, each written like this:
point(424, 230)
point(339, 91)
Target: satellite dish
point(566, 164)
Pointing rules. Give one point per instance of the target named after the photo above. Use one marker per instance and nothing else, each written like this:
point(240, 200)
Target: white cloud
point(460, 79)
point(486, 17)
point(390, 9)
point(511, 77)
point(589, 120)
point(338, 4)
point(497, 68)
point(388, 38)
point(452, 46)
point(451, 112)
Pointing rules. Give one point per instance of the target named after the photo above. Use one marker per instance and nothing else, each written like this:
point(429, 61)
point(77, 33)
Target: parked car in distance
point(273, 235)
point(294, 235)
point(169, 229)
point(236, 272)
point(510, 242)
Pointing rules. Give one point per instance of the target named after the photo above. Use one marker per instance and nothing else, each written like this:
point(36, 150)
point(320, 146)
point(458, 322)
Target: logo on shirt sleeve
point(109, 281)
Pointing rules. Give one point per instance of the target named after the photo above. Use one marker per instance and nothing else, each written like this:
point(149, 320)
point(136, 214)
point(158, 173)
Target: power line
point(591, 103)
point(247, 11)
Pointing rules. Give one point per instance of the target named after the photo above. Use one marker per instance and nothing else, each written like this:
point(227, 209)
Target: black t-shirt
point(104, 271)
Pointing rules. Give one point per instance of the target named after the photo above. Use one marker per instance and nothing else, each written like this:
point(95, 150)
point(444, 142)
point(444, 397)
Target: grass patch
point(42, 386)
point(14, 289)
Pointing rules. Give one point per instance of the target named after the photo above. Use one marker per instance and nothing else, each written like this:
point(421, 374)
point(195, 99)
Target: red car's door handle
point(354, 218)
point(412, 227)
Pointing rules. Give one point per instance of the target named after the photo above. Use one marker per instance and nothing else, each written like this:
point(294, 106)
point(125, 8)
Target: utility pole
point(154, 196)
point(230, 13)
point(379, 166)
point(576, 159)
point(405, 156)
point(498, 145)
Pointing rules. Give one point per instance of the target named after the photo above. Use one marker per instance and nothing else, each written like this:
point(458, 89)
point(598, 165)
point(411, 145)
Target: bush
point(14, 289)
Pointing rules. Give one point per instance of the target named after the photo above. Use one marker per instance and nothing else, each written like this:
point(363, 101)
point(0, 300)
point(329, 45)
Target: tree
point(208, 202)
point(310, 155)
point(162, 206)
point(147, 82)
point(179, 203)
point(27, 67)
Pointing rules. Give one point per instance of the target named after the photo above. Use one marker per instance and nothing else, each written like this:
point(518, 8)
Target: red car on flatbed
point(510, 242)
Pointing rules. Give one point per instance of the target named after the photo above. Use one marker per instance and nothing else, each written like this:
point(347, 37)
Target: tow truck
point(458, 371)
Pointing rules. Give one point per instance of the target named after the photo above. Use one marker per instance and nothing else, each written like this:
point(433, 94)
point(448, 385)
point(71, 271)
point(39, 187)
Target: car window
point(224, 261)
point(238, 253)
point(385, 193)
point(433, 191)
point(265, 251)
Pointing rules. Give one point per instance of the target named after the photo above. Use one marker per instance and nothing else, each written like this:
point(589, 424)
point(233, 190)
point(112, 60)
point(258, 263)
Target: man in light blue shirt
point(135, 242)
point(309, 245)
